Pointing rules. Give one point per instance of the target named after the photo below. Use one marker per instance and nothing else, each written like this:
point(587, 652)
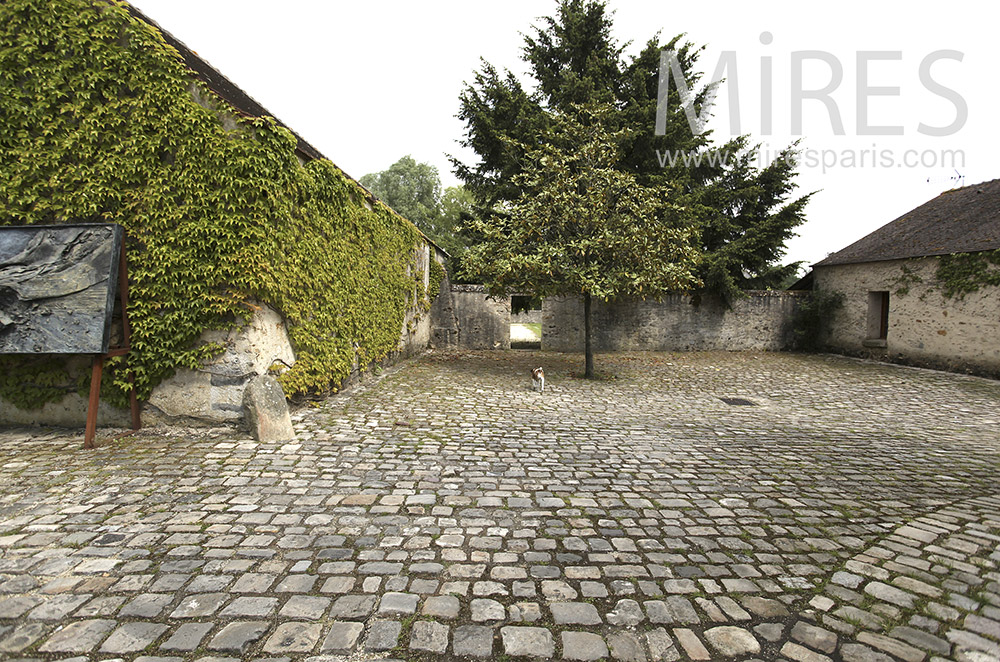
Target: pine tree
point(740, 213)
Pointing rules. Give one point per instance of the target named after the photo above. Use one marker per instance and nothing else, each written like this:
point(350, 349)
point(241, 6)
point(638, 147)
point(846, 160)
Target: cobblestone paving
point(447, 511)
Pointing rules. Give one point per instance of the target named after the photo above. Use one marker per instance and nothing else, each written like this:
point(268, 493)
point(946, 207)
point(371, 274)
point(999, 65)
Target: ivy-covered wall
point(101, 122)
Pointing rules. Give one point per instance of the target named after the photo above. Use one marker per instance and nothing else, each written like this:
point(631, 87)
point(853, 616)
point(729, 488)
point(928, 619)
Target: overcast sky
point(367, 83)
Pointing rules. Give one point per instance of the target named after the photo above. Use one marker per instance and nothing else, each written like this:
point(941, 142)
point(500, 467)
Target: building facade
point(925, 288)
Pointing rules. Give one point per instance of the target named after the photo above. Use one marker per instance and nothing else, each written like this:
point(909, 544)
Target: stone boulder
point(267, 410)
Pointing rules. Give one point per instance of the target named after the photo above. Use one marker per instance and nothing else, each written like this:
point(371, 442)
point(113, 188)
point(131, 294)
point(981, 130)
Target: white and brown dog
point(538, 380)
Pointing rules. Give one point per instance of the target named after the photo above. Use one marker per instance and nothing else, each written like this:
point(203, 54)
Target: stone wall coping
point(481, 289)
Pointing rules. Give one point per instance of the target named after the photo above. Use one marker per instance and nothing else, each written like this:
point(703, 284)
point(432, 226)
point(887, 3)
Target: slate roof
point(963, 220)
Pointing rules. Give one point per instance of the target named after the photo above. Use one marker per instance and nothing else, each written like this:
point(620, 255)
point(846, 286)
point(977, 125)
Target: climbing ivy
point(904, 280)
point(101, 122)
point(964, 273)
point(435, 277)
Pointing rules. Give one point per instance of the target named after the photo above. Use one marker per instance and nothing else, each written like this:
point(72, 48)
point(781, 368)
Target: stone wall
point(416, 332)
point(210, 395)
point(213, 394)
point(759, 321)
point(924, 327)
point(466, 317)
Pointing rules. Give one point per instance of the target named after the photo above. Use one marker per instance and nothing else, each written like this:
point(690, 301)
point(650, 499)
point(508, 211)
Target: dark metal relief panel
point(57, 288)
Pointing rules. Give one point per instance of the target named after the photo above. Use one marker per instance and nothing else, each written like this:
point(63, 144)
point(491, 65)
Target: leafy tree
point(746, 218)
point(742, 214)
point(412, 189)
point(457, 210)
point(581, 226)
point(456, 207)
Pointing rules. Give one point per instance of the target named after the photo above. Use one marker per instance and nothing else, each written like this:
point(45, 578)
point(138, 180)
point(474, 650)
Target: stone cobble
point(446, 510)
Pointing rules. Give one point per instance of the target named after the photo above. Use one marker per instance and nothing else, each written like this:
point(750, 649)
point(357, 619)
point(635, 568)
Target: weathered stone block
point(267, 410)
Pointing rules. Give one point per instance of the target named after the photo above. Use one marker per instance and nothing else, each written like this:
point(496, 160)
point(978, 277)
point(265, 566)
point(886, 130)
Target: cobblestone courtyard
point(447, 511)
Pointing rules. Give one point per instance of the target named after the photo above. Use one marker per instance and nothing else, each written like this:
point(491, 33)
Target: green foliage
point(742, 214)
point(435, 277)
point(99, 122)
point(582, 226)
point(814, 312)
point(457, 209)
point(29, 382)
point(745, 217)
point(964, 273)
point(412, 189)
point(522, 304)
point(904, 280)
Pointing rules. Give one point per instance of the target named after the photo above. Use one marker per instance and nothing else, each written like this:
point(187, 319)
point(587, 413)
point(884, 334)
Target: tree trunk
point(588, 347)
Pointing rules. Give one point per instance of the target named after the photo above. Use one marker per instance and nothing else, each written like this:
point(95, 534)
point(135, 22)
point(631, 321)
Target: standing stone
point(267, 410)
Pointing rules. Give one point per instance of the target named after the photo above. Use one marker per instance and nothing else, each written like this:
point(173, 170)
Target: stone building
point(925, 288)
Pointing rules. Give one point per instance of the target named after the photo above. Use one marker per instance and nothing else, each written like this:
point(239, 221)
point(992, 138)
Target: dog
point(538, 380)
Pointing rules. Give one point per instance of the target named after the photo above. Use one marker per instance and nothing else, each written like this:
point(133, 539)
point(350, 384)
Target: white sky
point(367, 83)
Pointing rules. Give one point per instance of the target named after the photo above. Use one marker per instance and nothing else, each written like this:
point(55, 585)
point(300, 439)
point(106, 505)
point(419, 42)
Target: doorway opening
point(525, 322)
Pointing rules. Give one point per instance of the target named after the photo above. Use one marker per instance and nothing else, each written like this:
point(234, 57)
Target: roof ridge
point(961, 220)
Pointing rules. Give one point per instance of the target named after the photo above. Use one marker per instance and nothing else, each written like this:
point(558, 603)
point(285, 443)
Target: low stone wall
point(759, 321)
point(210, 395)
point(213, 394)
point(465, 316)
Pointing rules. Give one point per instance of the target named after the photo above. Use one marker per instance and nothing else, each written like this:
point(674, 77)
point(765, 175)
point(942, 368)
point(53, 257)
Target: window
point(878, 317)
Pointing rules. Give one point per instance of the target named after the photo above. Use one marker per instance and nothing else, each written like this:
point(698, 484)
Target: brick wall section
point(924, 328)
point(760, 321)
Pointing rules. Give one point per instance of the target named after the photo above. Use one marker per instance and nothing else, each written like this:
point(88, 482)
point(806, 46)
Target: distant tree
point(412, 189)
point(456, 208)
point(741, 214)
point(581, 226)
